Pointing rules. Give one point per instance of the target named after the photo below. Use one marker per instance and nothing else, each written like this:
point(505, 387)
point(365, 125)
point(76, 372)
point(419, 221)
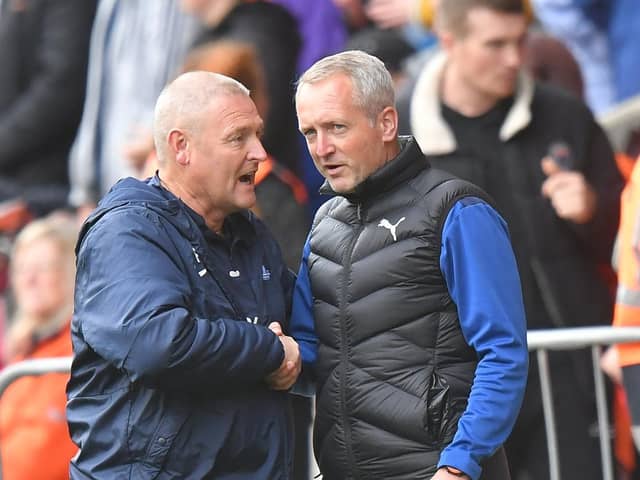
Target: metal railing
point(39, 366)
point(540, 341)
point(573, 339)
point(620, 122)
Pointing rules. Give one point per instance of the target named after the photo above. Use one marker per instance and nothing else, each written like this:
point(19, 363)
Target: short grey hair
point(184, 101)
point(373, 89)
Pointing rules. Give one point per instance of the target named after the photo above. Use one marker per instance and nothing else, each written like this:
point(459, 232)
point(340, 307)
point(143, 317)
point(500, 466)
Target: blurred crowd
point(78, 84)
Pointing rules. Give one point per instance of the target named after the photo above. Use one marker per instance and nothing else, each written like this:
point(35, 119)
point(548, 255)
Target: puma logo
point(391, 227)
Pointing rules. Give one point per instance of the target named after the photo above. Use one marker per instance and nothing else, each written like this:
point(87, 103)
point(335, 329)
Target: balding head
point(185, 101)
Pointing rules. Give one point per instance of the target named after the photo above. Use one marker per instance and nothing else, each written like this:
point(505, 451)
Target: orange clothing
point(625, 165)
point(627, 309)
point(34, 439)
point(285, 175)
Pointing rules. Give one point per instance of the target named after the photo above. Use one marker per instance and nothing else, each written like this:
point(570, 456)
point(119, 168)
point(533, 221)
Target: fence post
point(603, 415)
point(549, 414)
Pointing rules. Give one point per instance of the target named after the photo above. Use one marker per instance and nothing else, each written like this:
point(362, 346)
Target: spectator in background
point(323, 32)
point(273, 32)
point(44, 48)
point(181, 368)
point(137, 46)
point(622, 362)
point(549, 168)
point(403, 15)
point(599, 33)
point(321, 26)
point(387, 45)
point(625, 263)
point(548, 60)
point(33, 428)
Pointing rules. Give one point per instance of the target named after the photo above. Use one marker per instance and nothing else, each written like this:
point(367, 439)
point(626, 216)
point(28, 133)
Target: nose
point(257, 151)
point(324, 145)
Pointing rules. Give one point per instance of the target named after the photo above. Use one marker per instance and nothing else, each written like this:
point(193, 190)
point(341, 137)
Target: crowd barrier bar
point(540, 341)
point(572, 339)
point(620, 121)
point(38, 366)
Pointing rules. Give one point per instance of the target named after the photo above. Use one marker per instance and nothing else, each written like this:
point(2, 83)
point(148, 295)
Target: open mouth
point(331, 169)
point(247, 178)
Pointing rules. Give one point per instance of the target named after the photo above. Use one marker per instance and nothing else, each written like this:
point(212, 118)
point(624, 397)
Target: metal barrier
point(573, 339)
point(620, 122)
point(539, 340)
point(39, 366)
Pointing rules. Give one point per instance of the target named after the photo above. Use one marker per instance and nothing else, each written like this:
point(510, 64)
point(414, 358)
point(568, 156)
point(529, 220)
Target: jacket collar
point(398, 170)
point(432, 132)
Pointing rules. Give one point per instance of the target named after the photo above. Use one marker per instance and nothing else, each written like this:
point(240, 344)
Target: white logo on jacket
point(391, 226)
point(266, 273)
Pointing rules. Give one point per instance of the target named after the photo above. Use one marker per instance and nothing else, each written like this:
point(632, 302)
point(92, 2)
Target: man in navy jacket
point(181, 366)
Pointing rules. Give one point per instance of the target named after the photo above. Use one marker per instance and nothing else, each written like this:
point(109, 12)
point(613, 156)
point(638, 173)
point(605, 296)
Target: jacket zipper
point(344, 355)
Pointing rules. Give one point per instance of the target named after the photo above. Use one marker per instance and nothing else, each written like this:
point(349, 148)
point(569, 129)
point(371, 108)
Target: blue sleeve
point(132, 307)
point(302, 327)
point(480, 271)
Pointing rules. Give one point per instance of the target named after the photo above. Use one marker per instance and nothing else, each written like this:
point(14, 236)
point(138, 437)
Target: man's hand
point(442, 474)
point(610, 365)
point(276, 328)
point(287, 374)
point(571, 195)
point(389, 13)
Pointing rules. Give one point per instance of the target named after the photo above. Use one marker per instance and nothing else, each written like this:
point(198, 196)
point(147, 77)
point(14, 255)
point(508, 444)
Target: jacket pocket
point(154, 461)
point(438, 412)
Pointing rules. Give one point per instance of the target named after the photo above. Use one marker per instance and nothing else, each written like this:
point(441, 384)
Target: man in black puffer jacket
point(408, 307)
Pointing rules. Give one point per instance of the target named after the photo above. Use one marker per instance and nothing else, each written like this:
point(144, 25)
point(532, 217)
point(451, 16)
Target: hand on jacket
point(287, 374)
point(570, 194)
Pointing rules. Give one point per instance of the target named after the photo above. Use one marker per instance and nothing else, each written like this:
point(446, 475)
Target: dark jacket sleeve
point(133, 304)
point(600, 170)
point(54, 44)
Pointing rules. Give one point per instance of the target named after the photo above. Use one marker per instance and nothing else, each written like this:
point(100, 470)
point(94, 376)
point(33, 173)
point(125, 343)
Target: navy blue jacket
point(171, 345)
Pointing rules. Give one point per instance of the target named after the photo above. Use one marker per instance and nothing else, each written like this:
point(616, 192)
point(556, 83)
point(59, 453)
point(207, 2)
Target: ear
point(388, 121)
point(179, 145)
point(446, 39)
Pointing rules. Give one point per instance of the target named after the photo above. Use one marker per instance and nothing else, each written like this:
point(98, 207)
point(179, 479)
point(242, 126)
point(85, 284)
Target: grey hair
point(184, 101)
point(372, 83)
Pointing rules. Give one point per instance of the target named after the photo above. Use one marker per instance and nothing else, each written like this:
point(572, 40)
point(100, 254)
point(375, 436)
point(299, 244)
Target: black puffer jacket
point(394, 371)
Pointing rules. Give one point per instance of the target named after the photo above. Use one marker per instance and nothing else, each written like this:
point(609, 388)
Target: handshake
point(287, 374)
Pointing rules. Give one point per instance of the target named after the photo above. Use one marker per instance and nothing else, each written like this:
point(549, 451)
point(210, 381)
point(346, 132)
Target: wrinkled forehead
point(233, 112)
